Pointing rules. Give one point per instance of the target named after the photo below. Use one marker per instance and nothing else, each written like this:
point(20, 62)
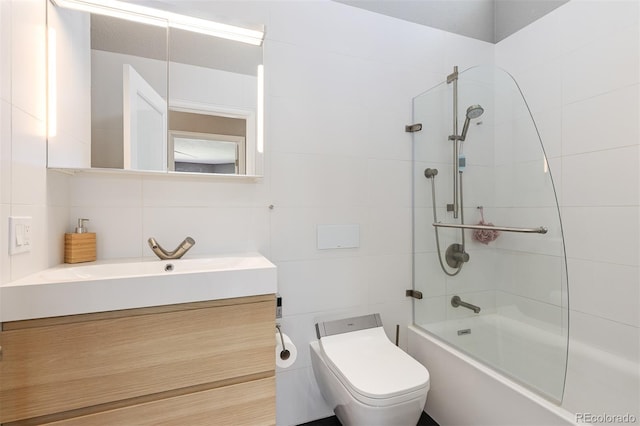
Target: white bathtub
point(465, 391)
point(534, 355)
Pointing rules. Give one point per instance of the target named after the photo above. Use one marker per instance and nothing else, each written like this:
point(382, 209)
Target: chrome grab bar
point(539, 230)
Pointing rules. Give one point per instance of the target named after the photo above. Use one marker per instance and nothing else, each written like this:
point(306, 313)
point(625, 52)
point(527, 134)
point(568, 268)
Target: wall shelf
point(161, 174)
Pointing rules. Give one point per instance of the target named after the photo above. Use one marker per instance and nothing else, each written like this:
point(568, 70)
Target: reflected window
point(206, 143)
point(207, 153)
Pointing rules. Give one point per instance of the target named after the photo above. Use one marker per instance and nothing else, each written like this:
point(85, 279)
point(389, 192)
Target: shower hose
point(435, 220)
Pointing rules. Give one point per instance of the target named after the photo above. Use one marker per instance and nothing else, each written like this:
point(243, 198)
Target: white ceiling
point(487, 20)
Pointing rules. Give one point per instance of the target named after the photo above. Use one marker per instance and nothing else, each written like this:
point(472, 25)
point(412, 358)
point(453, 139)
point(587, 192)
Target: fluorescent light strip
point(161, 18)
point(216, 29)
point(116, 9)
point(52, 82)
point(260, 110)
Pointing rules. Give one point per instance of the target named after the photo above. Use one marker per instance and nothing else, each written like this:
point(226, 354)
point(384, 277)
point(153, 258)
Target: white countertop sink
point(134, 283)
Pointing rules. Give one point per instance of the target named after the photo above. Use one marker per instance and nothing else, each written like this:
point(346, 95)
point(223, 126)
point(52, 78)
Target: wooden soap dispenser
point(80, 246)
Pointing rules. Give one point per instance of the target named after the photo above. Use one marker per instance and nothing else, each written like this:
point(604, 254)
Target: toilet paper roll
point(282, 360)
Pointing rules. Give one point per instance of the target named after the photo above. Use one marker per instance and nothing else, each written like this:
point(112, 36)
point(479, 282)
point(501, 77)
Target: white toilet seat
point(374, 370)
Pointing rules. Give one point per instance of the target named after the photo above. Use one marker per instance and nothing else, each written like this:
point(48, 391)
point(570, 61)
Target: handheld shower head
point(474, 111)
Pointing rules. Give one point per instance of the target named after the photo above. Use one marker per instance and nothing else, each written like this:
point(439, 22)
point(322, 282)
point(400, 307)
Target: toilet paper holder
point(284, 354)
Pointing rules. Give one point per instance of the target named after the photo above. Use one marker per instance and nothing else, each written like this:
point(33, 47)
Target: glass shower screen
point(507, 306)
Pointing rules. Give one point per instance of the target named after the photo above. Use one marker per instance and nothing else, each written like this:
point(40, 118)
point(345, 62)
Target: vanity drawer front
point(251, 403)
point(107, 357)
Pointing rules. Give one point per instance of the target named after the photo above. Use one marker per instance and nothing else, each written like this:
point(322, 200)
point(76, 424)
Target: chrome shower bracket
point(412, 128)
point(453, 76)
point(416, 294)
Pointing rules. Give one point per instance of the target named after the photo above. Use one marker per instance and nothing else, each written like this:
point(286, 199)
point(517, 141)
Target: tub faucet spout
point(163, 254)
point(456, 301)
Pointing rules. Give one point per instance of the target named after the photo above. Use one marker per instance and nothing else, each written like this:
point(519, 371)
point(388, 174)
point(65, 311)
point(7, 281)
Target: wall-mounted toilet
point(365, 378)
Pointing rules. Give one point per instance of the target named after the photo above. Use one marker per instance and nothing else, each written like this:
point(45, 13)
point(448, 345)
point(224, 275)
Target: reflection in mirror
point(128, 94)
point(207, 153)
point(151, 97)
point(144, 119)
point(214, 91)
point(203, 139)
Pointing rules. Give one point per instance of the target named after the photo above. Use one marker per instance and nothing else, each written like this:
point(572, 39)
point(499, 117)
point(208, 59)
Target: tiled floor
point(425, 420)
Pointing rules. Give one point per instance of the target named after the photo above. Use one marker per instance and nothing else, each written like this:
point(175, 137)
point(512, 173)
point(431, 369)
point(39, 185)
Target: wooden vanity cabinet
point(202, 363)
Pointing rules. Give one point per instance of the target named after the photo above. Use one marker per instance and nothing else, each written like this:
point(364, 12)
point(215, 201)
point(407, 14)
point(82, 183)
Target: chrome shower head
point(474, 111)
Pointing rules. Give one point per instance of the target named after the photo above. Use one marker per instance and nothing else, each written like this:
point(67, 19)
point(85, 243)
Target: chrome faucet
point(184, 247)
point(456, 301)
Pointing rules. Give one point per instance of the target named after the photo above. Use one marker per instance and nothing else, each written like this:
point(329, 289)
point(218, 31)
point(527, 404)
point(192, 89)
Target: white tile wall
point(37, 259)
point(320, 180)
point(310, 133)
point(601, 122)
point(530, 311)
point(203, 193)
point(103, 191)
point(535, 276)
point(24, 186)
point(5, 152)
point(5, 137)
point(614, 243)
point(476, 276)
point(582, 77)
point(58, 200)
point(5, 50)
point(125, 211)
point(298, 397)
point(602, 178)
point(585, 91)
point(388, 230)
point(586, 22)
point(28, 158)
point(606, 290)
point(28, 66)
point(322, 285)
point(5, 260)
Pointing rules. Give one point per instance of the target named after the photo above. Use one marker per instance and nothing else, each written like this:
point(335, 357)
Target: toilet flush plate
point(338, 236)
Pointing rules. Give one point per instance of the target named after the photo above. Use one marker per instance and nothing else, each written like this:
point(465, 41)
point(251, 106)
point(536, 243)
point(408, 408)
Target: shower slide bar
point(539, 230)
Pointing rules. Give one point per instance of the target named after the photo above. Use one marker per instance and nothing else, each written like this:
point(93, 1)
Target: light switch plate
point(19, 234)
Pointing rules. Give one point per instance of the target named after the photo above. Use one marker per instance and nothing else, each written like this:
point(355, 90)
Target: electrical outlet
point(19, 234)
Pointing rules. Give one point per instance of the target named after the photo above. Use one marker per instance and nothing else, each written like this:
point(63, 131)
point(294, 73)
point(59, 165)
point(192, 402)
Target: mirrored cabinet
point(138, 89)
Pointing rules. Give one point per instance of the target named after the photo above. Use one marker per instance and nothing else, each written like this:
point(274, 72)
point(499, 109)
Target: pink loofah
point(485, 236)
